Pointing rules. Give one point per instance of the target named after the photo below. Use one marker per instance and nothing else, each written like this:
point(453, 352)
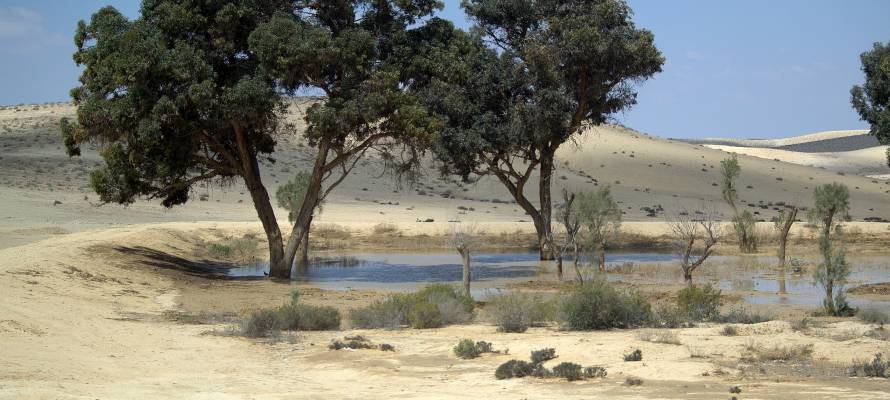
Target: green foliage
point(699, 302)
point(569, 371)
point(542, 355)
point(514, 369)
point(305, 317)
point(743, 316)
point(729, 172)
point(832, 206)
point(290, 195)
point(261, 323)
point(433, 306)
point(515, 311)
point(467, 349)
point(742, 222)
point(600, 216)
point(236, 249)
point(636, 355)
point(872, 99)
point(598, 305)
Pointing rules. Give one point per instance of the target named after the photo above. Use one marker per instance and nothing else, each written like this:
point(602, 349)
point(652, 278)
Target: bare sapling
point(696, 233)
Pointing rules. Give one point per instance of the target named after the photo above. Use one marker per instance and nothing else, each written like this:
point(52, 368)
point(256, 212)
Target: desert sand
point(93, 296)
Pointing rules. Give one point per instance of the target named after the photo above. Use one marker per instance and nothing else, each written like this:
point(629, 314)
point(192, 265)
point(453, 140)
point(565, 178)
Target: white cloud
point(25, 28)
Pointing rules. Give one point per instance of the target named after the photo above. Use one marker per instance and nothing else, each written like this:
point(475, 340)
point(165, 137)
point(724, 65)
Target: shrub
point(597, 305)
point(699, 302)
point(385, 229)
point(784, 353)
point(729, 330)
point(668, 316)
point(425, 315)
point(305, 317)
point(467, 349)
point(661, 336)
point(742, 316)
point(636, 355)
point(876, 368)
point(387, 347)
point(569, 371)
point(416, 309)
point(595, 372)
point(800, 325)
point(874, 316)
point(513, 369)
point(540, 356)
point(261, 323)
point(516, 311)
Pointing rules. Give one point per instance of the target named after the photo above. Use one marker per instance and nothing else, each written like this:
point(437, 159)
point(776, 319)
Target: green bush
point(873, 316)
point(425, 315)
point(540, 356)
point(597, 305)
point(636, 355)
point(261, 323)
point(467, 349)
point(743, 316)
point(595, 372)
point(668, 316)
point(514, 369)
point(699, 303)
point(515, 311)
point(305, 317)
point(876, 368)
point(416, 309)
point(569, 371)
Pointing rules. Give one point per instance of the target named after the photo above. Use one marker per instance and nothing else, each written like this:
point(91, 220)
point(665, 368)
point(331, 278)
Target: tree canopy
point(872, 99)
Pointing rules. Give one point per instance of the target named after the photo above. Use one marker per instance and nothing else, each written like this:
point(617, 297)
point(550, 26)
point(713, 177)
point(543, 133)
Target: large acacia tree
point(872, 99)
point(193, 91)
point(548, 69)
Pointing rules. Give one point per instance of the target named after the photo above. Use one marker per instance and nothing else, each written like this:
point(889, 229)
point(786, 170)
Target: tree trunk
point(602, 257)
point(303, 261)
point(546, 206)
point(465, 257)
point(559, 267)
point(687, 276)
point(575, 262)
point(310, 201)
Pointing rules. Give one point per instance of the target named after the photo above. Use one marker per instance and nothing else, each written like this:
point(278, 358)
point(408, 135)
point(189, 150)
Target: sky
point(745, 69)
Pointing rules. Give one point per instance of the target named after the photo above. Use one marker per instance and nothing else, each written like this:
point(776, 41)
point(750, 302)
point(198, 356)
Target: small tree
point(462, 241)
point(290, 197)
point(872, 99)
point(832, 206)
point(572, 225)
point(695, 233)
point(601, 218)
point(782, 224)
point(742, 222)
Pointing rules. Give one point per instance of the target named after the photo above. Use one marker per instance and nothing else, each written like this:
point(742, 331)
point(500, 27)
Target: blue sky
point(754, 68)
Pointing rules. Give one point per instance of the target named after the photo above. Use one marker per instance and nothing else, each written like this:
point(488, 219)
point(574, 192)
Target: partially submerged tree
point(600, 217)
point(696, 233)
point(192, 92)
point(742, 222)
point(290, 197)
point(568, 216)
point(551, 69)
point(782, 225)
point(831, 208)
point(462, 240)
point(872, 99)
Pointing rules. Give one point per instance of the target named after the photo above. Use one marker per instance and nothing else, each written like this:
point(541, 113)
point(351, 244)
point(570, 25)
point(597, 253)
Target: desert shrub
point(597, 305)
point(636, 355)
point(876, 368)
point(385, 229)
point(514, 369)
point(595, 372)
point(358, 342)
point(237, 249)
point(261, 323)
point(387, 347)
point(467, 349)
point(699, 302)
point(873, 316)
point(729, 330)
point(425, 315)
point(879, 334)
point(305, 317)
point(743, 316)
point(668, 316)
point(800, 325)
point(783, 353)
point(569, 371)
point(414, 309)
point(540, 356)
point(660, 336)
point(516, 311)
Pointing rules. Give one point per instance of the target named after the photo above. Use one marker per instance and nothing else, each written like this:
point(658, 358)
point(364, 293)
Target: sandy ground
point(86, 316)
